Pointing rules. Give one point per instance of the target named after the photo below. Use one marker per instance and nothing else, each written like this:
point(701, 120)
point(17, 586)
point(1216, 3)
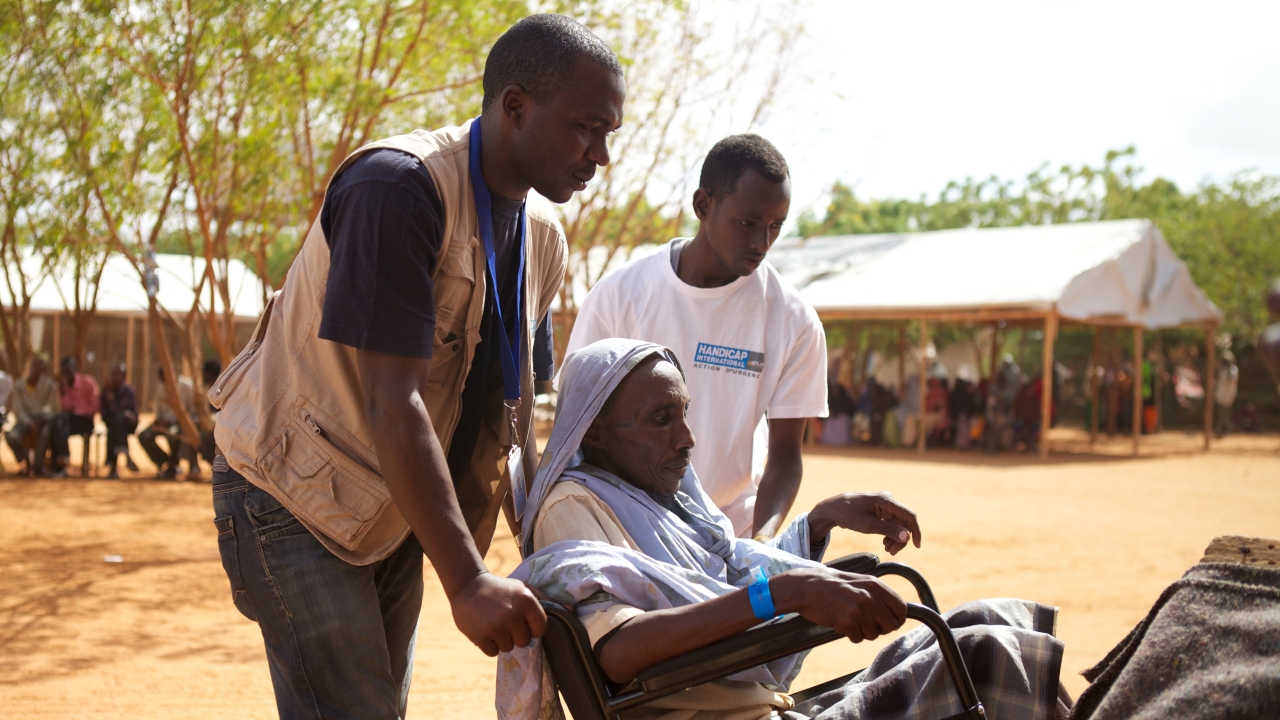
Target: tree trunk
point(190, 433)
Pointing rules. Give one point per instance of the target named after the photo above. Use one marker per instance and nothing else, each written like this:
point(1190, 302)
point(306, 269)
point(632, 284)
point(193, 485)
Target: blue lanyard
point(509, 346)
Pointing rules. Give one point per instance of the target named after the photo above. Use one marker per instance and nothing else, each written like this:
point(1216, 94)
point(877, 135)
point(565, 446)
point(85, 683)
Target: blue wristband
point(761, 600)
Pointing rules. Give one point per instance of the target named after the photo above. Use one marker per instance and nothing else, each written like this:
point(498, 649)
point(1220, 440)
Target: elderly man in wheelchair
point(617, 529)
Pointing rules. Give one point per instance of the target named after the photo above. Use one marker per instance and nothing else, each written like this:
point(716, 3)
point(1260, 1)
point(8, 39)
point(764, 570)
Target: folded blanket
point(1209, 648)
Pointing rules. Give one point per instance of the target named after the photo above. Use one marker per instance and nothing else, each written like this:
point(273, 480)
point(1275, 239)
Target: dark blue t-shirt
point(383, 220)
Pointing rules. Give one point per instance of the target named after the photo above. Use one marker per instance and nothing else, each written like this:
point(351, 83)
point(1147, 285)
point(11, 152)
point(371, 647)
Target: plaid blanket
point(1008, 647)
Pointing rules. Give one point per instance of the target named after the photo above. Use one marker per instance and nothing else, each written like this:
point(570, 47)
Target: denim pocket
point(231, 565)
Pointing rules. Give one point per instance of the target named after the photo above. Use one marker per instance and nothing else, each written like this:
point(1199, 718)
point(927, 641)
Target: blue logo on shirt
point(729, 358)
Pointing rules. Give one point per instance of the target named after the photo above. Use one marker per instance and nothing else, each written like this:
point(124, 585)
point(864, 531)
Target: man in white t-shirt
point(750, 347)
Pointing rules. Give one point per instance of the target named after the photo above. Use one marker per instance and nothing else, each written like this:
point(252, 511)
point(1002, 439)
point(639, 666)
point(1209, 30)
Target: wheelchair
point(590, 695)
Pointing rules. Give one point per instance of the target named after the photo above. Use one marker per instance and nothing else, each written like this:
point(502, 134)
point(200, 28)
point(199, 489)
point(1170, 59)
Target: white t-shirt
point(750, 349)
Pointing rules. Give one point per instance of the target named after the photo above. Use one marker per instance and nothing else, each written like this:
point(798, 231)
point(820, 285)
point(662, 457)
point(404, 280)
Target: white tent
point(121, 292)
point(1119, 272)
point(122, 304)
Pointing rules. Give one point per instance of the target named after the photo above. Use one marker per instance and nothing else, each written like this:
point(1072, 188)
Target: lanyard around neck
point(509, 345)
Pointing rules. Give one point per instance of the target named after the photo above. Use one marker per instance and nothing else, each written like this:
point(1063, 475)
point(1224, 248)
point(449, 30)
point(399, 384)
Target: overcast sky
point(897, 98)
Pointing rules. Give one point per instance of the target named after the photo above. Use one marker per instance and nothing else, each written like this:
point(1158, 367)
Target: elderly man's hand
point(869, 513)
point(859, 607)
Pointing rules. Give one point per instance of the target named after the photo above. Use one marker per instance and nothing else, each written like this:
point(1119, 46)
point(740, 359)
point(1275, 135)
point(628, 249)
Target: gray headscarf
point(588, 378)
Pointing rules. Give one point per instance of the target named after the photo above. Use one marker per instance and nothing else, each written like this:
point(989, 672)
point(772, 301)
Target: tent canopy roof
point(1119, 271)
point(120, 290)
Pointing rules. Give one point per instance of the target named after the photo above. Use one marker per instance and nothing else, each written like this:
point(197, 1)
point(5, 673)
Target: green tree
point(212, 127)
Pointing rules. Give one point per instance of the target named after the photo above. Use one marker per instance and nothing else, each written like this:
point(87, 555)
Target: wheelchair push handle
point(909, 574)
point(951, 656)
point(869, 564)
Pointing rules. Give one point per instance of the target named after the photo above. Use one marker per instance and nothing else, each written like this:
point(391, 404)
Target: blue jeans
point(339, 637)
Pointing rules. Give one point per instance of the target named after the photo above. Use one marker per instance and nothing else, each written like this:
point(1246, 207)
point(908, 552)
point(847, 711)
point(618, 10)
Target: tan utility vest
point(292, 415)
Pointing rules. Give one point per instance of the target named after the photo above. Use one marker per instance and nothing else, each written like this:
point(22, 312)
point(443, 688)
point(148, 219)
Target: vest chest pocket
point(460, 259)
point(329, 489)
point(454, 285)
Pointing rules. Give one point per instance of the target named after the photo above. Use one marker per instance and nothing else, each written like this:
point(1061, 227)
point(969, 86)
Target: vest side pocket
point(360, 500)
point(326, 487)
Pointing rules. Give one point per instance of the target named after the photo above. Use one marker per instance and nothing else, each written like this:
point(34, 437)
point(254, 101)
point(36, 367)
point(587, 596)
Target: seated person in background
point(79, 394)
point(6, 389)
point(937, 416)
point(963, 407)
point(1246, 419)
point(617, 526)
point(837, 428)
point(35, 401)
point(875, 402)
point(166, 425)
point(118, 404)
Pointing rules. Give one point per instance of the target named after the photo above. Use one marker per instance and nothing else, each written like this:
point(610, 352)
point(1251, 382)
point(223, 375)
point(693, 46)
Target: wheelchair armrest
point(784, 636)
point(780, 638)
point(861, 563)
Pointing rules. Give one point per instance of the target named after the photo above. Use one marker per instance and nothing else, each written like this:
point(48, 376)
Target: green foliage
point(1228, 233)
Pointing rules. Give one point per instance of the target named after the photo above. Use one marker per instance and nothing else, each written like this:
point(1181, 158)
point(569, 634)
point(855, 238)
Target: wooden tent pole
point(1211, 369)
point(1114, 353)
point(922, 385)
point(1095, 385)
point(1157, 382)
point(128, 350)
point(143, 388)
point(1138, 338)
point(995, 355)
point(1046, 383)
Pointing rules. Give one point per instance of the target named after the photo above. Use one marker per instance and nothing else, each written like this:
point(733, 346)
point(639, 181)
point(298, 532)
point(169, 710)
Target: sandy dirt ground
point(1096, 533)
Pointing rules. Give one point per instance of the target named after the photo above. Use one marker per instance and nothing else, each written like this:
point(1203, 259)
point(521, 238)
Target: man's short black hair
point(733, 156)
point(538, 54)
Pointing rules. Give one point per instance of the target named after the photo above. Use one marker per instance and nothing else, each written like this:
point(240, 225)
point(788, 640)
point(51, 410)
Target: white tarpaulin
point(121, 291)
point(1121, 270)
